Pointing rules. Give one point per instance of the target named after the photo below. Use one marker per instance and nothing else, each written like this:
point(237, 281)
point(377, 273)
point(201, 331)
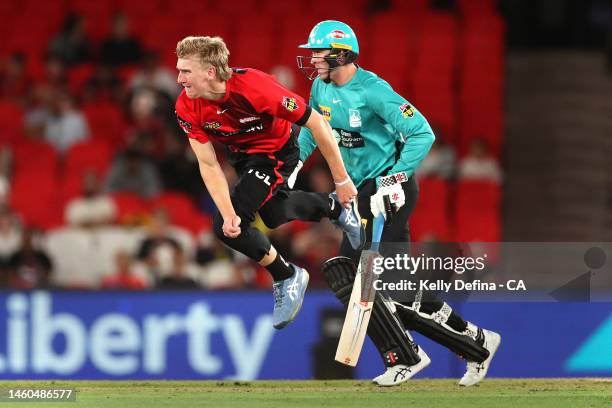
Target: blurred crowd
point(134, 214)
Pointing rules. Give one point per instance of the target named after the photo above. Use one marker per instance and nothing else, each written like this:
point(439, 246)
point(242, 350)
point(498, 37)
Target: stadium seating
point(430, 218)
point(449, 65)
point(477, 212)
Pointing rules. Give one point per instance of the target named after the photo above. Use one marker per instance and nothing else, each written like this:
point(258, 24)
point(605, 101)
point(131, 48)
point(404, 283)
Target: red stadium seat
point(90, 154)
point(106, 122)
point(179, 206)
point(413, 7)
point(477, 212)
point(79, 75)
point(33, 157)
point(34, 196)
point(477, 7)
point(11, 122)
point(437, 101)
point(254, 51)
point(430, 218)
point(94, 155)
point(131, 208)
point(139, 10)
point(236, 7)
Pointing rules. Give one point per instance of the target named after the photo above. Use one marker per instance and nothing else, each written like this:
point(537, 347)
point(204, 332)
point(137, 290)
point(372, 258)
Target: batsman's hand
point(391, 191)
point(346, 193)
point(231, 226)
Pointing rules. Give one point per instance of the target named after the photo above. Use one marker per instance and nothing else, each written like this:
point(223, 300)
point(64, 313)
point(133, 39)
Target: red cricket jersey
point(254, 116)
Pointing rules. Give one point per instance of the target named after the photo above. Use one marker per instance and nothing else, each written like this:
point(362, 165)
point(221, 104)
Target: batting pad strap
point(467, 344)
point(442, 315)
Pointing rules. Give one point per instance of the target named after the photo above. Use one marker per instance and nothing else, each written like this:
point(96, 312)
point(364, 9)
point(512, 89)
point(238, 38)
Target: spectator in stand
point(178, 166)
point(441, 161)
point(66, 125)
point(39, 109)
point(123, 277)
point(92, 208)
point(56, 75)
point(14, 80)
point(11, 232)
point(120, 48)
point(132, 171)
point(104, 85)
point(29, 267)
point(179, 275)
point(71, 45)
point(479, 164)
point(222, 267)
point(146, 128)
point(5, 175)
point(162, 239)
point(154, 76)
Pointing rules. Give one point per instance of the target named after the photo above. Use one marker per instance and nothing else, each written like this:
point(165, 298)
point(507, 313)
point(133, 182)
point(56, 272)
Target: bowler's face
point(193, 77)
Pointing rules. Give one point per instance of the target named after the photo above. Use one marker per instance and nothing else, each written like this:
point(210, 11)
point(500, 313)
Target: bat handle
point(388, 210)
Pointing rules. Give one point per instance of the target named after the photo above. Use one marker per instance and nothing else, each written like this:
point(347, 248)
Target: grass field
point(498, 393)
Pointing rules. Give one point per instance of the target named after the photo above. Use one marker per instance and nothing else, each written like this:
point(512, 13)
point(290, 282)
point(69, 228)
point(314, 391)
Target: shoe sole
point(297, 309)
point(489, 359)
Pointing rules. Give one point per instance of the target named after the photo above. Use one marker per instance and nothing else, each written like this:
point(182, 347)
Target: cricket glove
point(389, 197)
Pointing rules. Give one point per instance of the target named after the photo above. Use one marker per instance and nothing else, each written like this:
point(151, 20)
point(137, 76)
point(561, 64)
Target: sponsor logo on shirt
point(349, 139)
point(354, 118)
point(186, 126)
point(249, 119)
point(211, 125)
point(407, 110)
point(325, 112)
point(290, 103)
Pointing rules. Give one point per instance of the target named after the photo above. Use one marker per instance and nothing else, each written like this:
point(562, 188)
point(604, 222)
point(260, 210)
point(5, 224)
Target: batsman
point(382, 139)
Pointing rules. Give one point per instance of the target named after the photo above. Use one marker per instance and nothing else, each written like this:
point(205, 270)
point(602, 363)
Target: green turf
point(498, 393)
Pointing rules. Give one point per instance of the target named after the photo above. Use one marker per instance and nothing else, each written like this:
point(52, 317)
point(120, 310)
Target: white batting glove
point(390, 186)
point(293, 176)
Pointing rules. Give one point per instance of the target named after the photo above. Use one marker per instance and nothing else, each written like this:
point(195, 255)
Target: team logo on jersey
point(211, 125)
point(354, 118)
point(325, 112)
point(407, 110)
point(290, 103)
point(186, 126)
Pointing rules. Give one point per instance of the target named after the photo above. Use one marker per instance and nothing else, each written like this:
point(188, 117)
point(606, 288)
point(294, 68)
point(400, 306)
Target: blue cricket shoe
point(288, 297)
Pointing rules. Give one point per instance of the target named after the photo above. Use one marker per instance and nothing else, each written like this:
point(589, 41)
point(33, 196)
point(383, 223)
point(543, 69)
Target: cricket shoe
point(350, 222)
point(401, 373)
point(288, 297)
point(476, 372)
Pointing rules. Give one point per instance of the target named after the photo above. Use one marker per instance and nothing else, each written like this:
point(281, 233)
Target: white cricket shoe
point(476, 372)
point(401, 373)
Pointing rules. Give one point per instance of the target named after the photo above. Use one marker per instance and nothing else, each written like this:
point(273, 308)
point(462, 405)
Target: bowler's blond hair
point(208, 50)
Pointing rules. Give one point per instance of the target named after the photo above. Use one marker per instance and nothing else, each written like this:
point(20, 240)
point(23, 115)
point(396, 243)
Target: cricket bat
point(361, 303)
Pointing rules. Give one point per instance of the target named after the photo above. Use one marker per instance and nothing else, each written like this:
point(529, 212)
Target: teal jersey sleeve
point(409, 125)
point(305, 139)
